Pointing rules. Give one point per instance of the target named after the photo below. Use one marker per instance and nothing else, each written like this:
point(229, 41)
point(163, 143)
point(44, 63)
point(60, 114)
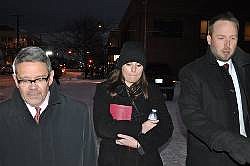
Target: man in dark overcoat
point(38, 125)
point(215, 99)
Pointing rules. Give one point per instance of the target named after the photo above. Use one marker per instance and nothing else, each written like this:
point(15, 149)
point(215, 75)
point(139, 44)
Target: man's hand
point(238, 147)
point(240, 150)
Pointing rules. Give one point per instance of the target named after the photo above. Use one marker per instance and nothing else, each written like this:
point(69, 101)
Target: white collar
point(221, 63)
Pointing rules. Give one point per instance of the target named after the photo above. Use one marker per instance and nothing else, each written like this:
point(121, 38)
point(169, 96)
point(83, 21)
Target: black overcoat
point(107, 128)
point(64, 136)
point(209, 108)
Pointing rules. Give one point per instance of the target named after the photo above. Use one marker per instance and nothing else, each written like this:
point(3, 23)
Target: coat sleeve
point(191, 107)
point(89, 141)
point(160, 134)
point(105, 125)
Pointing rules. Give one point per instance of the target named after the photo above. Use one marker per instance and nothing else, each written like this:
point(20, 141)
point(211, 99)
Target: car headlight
point(158, 80)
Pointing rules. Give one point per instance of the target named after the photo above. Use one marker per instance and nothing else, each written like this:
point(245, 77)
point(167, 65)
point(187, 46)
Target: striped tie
point(37, 116)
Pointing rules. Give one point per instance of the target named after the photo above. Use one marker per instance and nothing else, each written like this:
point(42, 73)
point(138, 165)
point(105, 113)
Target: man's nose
point(227, 43)
point(33, 85)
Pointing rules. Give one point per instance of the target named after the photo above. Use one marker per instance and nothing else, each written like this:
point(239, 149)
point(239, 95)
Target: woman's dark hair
point(116, 79)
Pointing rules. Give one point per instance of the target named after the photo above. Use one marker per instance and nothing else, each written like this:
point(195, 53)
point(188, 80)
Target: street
point(173, 153)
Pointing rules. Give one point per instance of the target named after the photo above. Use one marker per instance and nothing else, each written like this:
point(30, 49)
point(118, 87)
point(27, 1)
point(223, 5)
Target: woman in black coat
point(122, 105)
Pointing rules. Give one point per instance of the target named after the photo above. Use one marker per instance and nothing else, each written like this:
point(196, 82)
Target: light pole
point(17, 29)
point(145, 24)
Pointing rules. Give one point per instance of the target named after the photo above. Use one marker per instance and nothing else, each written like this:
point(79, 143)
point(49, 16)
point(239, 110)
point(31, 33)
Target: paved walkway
point(174, 153)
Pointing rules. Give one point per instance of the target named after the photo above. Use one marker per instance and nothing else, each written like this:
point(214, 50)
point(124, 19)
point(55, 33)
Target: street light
point(49, 53)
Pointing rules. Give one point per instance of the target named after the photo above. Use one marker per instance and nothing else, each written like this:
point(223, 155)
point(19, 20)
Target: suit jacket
point(107, 128)
point(209, 108)
point(64, 136)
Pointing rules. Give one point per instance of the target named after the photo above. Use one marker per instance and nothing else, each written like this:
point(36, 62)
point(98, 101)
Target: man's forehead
point(32, 68)
point(31, 64)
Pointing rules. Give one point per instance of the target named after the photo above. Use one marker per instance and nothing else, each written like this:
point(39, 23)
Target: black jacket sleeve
point(105, 125)
point(160, 134)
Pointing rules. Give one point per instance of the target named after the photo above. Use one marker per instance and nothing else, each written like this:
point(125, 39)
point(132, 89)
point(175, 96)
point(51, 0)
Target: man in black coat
point(214, 100)
point(38, 125)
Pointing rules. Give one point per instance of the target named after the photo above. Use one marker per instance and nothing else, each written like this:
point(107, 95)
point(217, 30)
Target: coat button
point(232, 90)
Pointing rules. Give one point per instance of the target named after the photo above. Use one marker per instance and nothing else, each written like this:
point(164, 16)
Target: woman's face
point(132, 72)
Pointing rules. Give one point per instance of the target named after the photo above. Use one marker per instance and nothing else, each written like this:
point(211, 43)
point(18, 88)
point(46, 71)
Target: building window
point(203, 29)
point(247, 32)
point(169, 28)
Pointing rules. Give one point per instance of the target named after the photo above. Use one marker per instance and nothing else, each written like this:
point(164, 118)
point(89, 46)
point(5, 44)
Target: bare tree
point(85, 36)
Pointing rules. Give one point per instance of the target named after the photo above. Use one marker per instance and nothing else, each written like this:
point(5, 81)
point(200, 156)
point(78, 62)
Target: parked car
point(6, 69)
point(161, 75)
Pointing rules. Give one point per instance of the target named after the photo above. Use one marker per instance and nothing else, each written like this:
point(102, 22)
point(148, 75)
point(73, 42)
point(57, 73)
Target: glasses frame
point(35, 81)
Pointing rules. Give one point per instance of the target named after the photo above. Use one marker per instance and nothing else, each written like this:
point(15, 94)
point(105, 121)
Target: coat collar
point(20, 107)
point(240, 57)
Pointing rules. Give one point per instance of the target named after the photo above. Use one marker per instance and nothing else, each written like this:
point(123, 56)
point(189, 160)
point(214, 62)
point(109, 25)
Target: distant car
point(161, 75)
point(59, 70)
point(6, 69)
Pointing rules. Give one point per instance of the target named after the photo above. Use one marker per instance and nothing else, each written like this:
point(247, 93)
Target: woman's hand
point(148, 125)
point(127, 140)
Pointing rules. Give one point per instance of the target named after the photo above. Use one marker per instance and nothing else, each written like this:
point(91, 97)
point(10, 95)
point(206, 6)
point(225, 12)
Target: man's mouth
point(226, 52)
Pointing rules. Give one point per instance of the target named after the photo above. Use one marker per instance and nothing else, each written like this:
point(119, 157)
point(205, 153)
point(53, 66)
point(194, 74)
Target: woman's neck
point(128, 84)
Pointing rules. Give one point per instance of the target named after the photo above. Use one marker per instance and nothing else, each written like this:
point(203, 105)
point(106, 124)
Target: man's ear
point(15, 79)
point(209, 38)
point(51, 77)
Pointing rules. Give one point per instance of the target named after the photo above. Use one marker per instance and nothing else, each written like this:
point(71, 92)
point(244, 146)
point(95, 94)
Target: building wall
point(172, 28)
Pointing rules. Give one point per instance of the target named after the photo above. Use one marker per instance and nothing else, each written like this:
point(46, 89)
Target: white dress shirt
point(42, 106)
point(233, 74)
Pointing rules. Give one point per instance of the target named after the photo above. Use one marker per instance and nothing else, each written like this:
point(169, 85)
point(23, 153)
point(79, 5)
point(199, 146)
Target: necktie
point(37, 116)
point(226, 66)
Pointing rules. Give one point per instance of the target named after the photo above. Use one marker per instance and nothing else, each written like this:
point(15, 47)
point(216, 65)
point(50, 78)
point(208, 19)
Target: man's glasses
point(38, 81)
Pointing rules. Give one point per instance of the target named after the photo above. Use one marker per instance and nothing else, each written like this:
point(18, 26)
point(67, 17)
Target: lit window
point(116, 57)
point(247, 32)
point(203, 29)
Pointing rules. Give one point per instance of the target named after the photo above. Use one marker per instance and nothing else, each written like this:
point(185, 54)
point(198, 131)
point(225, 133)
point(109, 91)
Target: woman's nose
point(133, 68)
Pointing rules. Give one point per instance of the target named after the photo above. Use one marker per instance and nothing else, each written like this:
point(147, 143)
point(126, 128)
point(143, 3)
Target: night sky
point(50, 15)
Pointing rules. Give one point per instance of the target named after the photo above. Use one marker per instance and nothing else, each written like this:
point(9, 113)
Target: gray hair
point(31, 54)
